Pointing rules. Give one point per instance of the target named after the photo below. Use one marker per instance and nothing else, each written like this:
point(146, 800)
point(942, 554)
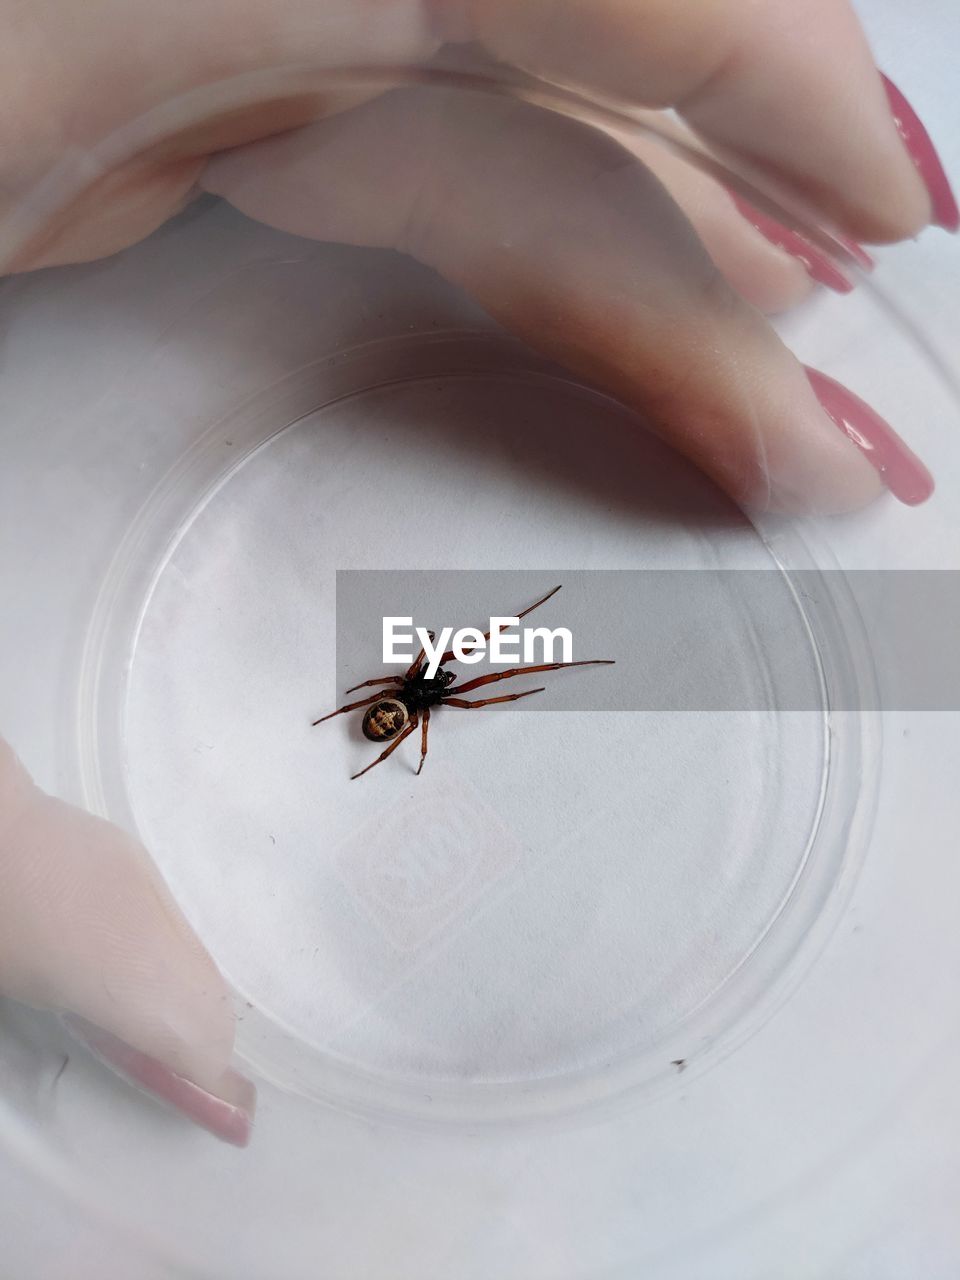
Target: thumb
point(87, 927)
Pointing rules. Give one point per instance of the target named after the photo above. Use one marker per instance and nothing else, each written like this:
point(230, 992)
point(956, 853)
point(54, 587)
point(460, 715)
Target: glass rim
point(79, 168)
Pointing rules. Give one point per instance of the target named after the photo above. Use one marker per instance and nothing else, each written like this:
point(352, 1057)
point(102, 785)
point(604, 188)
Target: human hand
point(589, 253)
point(583, 253)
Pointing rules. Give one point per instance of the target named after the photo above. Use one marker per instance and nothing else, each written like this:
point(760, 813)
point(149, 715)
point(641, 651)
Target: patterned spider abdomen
point(384, 719)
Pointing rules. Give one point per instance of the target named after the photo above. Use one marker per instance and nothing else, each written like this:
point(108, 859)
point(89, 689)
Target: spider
point(393, 714)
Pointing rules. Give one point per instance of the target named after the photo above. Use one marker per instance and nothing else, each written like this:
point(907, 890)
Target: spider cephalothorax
point(394, 713)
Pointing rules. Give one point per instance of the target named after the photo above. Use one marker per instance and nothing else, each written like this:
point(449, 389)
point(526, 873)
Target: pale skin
point(788, 90)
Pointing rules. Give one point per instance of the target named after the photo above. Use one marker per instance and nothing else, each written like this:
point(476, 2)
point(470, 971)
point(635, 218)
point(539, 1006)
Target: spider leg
point(376, 680)
point(423, 737)
point(488, 702)
point(414, 668)
point(352, 706)
point(543, 600)
point(405, 733)
point(519, 671)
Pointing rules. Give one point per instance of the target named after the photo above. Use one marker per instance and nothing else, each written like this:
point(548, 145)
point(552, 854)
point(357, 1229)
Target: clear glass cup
point(485, 1040)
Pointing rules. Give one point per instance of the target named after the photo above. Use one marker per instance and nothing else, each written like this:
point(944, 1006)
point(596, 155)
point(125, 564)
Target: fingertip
point(87, 925)
point(812, 468)
point(226, 1111)
point(783, 279)
point(895, 463)
point(919, 145)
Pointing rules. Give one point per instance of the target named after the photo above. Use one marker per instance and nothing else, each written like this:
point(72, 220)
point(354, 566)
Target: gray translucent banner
point(685, 640)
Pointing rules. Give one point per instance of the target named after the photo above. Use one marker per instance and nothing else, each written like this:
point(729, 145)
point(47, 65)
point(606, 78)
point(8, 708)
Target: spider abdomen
point(385, 719)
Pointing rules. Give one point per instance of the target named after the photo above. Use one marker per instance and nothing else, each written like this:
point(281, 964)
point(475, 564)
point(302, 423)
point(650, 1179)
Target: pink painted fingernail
point(856, 251)
point(925, 158)
point(900, 469)
point(228, 1113)
point(819, 266)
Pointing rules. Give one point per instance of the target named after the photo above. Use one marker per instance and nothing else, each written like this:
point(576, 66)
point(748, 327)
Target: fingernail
point(856, 251)
point(228, 1114)
point(924, 156)
point(819, 267)
point(900, 469)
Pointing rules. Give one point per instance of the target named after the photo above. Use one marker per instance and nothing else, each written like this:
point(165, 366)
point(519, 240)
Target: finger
point(87, 927)
point(127, 204)
point(754, 265)
point(571, 243)
point(790, 88)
